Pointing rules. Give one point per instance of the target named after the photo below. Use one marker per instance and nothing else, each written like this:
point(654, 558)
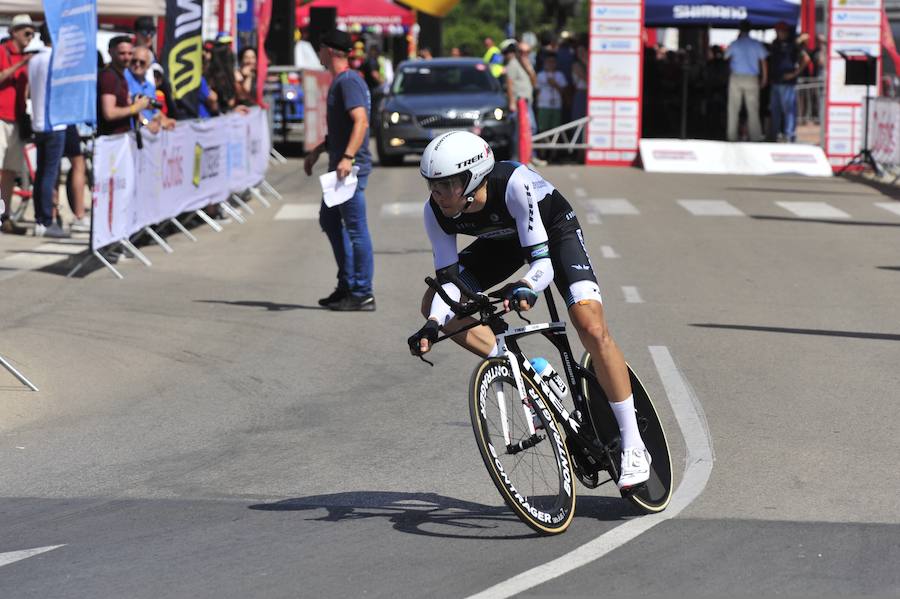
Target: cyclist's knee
point(596, 337)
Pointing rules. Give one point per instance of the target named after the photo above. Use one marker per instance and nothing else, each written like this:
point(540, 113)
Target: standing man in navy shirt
point(347, 144)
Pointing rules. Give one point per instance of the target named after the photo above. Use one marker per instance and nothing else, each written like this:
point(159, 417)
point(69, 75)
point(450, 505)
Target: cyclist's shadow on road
point(434, 515)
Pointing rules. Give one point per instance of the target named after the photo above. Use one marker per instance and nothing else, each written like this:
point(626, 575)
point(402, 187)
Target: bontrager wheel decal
point(543, 520)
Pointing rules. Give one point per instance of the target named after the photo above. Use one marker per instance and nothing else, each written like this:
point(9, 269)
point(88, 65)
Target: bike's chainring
point(584, 472)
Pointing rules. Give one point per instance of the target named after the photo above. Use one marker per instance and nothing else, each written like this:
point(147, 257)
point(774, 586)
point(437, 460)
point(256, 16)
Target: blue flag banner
point(72, 81)
point(720, 13)
point(245, 16)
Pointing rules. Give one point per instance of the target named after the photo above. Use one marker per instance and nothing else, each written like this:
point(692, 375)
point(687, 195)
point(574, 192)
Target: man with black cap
point(347, 144)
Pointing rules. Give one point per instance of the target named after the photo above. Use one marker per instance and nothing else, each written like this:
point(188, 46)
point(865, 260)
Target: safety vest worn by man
point(494, 58)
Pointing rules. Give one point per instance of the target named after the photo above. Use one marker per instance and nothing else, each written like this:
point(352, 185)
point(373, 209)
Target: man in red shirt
point(116, 106)
point(13, 88)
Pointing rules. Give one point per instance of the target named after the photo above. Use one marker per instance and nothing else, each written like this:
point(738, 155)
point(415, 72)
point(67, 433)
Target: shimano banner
point(721, 13)
point(184, 53)
point(72, 81)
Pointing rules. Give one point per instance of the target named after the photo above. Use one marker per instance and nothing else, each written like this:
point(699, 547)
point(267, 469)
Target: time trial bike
point(535, 428)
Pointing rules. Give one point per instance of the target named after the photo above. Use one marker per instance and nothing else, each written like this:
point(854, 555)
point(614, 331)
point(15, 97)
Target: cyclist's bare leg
point(479, 340)
point(609, 363)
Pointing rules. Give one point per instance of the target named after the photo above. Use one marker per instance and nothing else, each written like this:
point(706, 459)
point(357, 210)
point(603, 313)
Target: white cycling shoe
point(635, 467)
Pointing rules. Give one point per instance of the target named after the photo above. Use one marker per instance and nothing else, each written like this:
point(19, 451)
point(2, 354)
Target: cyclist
point(517, 216)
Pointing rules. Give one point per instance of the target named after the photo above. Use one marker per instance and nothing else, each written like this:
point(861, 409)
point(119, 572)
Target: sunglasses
point(138, 63)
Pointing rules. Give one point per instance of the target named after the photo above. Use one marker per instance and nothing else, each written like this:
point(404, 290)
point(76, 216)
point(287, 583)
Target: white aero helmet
point(455, 153)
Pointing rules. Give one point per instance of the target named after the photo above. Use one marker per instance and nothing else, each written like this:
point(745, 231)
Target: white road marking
point(698, 467)
point(403, 209)
point(632, 296)
point(580, 192)
point(890, 207)
point(710, 208)
point(611, 206)
point(593, 218)
point(17, 556)
point(298, 212)
point(573, 175)
point(813, 210)
point(607, 252)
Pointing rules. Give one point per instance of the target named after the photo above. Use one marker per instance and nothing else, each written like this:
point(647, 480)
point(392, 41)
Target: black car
point(430, 97)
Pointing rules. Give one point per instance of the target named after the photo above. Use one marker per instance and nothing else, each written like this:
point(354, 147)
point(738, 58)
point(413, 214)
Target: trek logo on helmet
point(469, 161)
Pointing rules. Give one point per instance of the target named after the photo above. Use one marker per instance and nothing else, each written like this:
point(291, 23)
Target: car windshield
point(458, 79)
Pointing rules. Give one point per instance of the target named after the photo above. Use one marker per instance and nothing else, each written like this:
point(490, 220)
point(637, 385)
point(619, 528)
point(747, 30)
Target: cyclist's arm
point(446, 258)
point(522, 202)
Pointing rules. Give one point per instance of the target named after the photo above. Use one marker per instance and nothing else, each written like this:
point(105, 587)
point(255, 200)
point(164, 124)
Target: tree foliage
point(471, 21)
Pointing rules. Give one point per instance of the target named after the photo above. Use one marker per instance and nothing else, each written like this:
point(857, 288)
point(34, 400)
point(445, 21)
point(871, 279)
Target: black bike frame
point(597, 445)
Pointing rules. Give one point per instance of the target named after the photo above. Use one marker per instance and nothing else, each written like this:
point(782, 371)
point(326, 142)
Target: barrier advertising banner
point(884, 130)
point(854, 28)
point(188, 168)
point(72, 82)
point(614, 75)
point(315, 105)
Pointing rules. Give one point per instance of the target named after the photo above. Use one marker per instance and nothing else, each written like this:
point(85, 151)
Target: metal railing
point(810, 100)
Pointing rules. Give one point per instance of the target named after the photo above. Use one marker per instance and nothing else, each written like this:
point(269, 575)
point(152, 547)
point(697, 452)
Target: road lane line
point(611, 206)
point(632, 295)
point(890, 207)
point(607, 252)
point(403, 209)
point(813, 210)
point(17, 556)
point(710, 208)
point(580, 192)
point(698, 467)
point(298, 212)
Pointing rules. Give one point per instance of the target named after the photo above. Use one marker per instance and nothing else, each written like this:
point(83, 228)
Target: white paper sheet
point(337, 191)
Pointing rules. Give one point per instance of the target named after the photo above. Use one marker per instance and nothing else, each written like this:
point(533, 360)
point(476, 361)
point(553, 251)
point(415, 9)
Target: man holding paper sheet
point(343, 211)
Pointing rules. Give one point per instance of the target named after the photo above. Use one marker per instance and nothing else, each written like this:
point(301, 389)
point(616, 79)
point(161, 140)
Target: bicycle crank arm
point(514, 448)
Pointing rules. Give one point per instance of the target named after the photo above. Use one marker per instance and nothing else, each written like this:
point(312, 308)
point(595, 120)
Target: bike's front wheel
point(653, 496)
point(532, 471)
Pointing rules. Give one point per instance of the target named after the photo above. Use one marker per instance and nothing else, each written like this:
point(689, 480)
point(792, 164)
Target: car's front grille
point(439, 121)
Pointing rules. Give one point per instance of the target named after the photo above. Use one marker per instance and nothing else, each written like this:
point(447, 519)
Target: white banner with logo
point(188, 168)
point(884, 130)
point(727, 158)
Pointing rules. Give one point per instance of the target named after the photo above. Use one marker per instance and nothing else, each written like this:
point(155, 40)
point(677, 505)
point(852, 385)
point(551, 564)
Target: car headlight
point(498, 114)
point(398, 117)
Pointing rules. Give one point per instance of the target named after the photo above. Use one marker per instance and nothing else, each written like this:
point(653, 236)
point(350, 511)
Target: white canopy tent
point(124, 8)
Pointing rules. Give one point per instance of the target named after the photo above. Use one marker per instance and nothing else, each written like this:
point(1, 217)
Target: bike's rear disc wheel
point(654, 496)
point(536, 483)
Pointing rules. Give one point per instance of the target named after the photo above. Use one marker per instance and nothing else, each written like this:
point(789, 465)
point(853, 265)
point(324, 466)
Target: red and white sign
point(615, 72)
point(315, 106)
point(854, 27)
point(884, 130)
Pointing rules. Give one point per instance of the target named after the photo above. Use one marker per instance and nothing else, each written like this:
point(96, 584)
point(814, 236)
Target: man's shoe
point(56, 232)
point(635, 467)
point(355, 303)
point(11, 228)
point(81, 225)
point(39, 230)
point(336, 296)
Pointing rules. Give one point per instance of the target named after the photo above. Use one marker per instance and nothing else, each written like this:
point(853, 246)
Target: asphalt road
point(203, 429)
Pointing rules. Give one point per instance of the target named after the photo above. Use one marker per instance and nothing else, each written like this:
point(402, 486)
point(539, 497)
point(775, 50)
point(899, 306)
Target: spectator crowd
point(133, 93)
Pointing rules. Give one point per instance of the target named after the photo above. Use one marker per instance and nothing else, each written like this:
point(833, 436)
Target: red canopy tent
point(361, 12)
